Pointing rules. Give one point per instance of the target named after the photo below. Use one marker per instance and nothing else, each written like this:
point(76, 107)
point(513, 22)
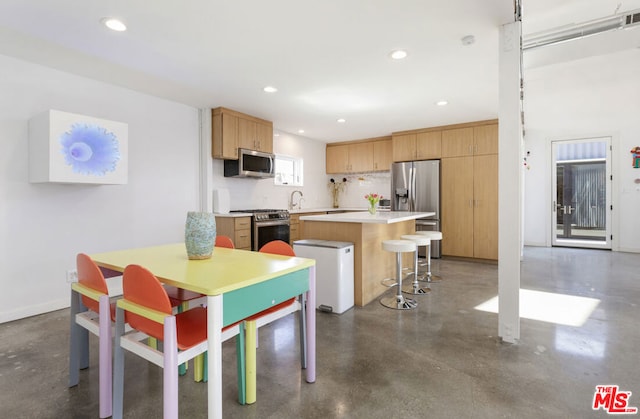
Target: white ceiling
point(329, 59)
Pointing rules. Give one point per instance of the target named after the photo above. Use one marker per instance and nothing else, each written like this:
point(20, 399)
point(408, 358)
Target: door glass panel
point(581, 193)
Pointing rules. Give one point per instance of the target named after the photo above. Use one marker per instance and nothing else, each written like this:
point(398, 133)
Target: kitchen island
point(366, 232)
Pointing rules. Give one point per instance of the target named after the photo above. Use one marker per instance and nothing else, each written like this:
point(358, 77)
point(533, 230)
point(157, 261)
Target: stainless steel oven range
point(268, 225)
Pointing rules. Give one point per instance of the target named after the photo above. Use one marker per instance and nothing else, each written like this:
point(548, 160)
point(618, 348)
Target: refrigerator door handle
point(412, 204)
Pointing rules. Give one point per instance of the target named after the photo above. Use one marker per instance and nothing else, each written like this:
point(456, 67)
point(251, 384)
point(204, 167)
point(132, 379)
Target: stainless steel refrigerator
point(415, 186)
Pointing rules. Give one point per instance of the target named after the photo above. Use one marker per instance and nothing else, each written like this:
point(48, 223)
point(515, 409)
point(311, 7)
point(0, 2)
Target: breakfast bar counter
point(366, 232)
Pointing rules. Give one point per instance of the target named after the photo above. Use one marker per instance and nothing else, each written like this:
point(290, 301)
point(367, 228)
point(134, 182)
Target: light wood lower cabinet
point(485, 211)
point(296, 226)
point(237, 228)
point(469, 194)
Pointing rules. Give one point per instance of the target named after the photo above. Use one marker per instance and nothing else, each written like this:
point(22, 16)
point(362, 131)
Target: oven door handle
point(272, 223)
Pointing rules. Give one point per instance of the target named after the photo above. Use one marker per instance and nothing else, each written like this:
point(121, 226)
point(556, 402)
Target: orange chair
point(91, 311)
point(179, 296)
point(278, 247)
point(200, 362)
point(145, 306)
point(224, 241)
point(269, 315)
point(183, 299)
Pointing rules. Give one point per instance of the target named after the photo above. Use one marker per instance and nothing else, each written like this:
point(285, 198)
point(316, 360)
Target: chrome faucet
point(292, 205)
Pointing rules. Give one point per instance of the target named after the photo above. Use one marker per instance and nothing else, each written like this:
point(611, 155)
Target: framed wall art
point(72, 148)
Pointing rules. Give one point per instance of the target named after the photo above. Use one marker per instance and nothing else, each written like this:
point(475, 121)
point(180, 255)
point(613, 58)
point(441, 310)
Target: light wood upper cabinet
point(404, 147)
point(382, 157)
point(429, 145)
point(246, 134)
point(417, 146)
point(485, 139)
point(225, 136)
point(457, 142)
point(264, 136)
point(232, 130)
point(470, 141)
point(337, 159)
point(359, 156)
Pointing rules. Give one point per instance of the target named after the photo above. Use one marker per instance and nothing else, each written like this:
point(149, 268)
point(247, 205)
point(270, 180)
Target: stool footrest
point(415, 290)
point(398, 303)
point(389, 282)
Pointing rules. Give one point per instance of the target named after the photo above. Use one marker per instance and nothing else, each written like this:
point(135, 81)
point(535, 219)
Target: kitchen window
point(288, 171)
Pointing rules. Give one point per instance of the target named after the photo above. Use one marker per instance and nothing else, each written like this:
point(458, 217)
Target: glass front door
point(581, 179)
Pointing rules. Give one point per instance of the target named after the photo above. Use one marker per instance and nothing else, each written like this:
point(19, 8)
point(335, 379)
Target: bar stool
point(398, 301)
point(415, 288)
point(432, 235)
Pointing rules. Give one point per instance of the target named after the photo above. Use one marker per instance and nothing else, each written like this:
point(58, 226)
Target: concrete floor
point(442, 360)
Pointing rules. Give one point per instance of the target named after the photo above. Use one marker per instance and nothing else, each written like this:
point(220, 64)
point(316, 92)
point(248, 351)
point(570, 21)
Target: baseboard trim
point(34, 310)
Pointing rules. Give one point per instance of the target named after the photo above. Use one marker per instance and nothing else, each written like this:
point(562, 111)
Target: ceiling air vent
point(631, 19)
point(581, 30)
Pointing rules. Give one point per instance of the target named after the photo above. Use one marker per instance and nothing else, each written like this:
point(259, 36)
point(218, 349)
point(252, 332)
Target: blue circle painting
point(90, 149)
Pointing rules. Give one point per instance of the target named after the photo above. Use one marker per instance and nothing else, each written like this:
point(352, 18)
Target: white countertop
point(234, 214)
point(326, 209)
point(381, 217)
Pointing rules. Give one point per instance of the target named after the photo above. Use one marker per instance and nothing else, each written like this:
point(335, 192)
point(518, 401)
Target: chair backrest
point(140, 286)
point(224, 241)
point(90, 275)
point(278, 247)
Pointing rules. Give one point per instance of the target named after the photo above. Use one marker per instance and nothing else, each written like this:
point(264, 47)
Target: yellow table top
point(226, 270)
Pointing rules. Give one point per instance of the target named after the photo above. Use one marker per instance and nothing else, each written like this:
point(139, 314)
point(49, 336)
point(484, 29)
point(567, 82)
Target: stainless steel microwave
point(251, 163)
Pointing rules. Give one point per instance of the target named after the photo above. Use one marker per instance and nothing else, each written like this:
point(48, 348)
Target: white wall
point(251, 193)
point(43, 226)
point(362, 184)
point(557, 106)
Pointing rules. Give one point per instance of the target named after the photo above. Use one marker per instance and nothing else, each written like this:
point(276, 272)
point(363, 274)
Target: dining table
point(237, 284)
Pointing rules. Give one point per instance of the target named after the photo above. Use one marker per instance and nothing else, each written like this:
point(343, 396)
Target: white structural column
point(509, 180)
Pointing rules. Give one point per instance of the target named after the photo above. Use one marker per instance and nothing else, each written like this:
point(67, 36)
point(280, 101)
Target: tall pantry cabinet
point(469, 192)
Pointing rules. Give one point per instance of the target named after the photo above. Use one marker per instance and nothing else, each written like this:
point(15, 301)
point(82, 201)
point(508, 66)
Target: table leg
point(214, 364)
point(311, 326)
point(250, 359)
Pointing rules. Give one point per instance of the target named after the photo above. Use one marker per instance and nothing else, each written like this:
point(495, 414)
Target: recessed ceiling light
point(398, 54)
point(114, 24)
point(442, 103)
point(468, 40)
point(270, 89)
point(342, 121)
point(300, 131)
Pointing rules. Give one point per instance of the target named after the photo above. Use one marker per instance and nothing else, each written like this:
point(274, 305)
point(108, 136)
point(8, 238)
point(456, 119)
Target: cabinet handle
point(471, 203)
point(475, 149)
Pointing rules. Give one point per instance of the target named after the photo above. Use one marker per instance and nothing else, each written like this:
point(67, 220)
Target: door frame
point(607, 243)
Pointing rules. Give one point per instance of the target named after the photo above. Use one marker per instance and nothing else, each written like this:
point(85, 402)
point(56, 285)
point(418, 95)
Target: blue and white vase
point(200, 234)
